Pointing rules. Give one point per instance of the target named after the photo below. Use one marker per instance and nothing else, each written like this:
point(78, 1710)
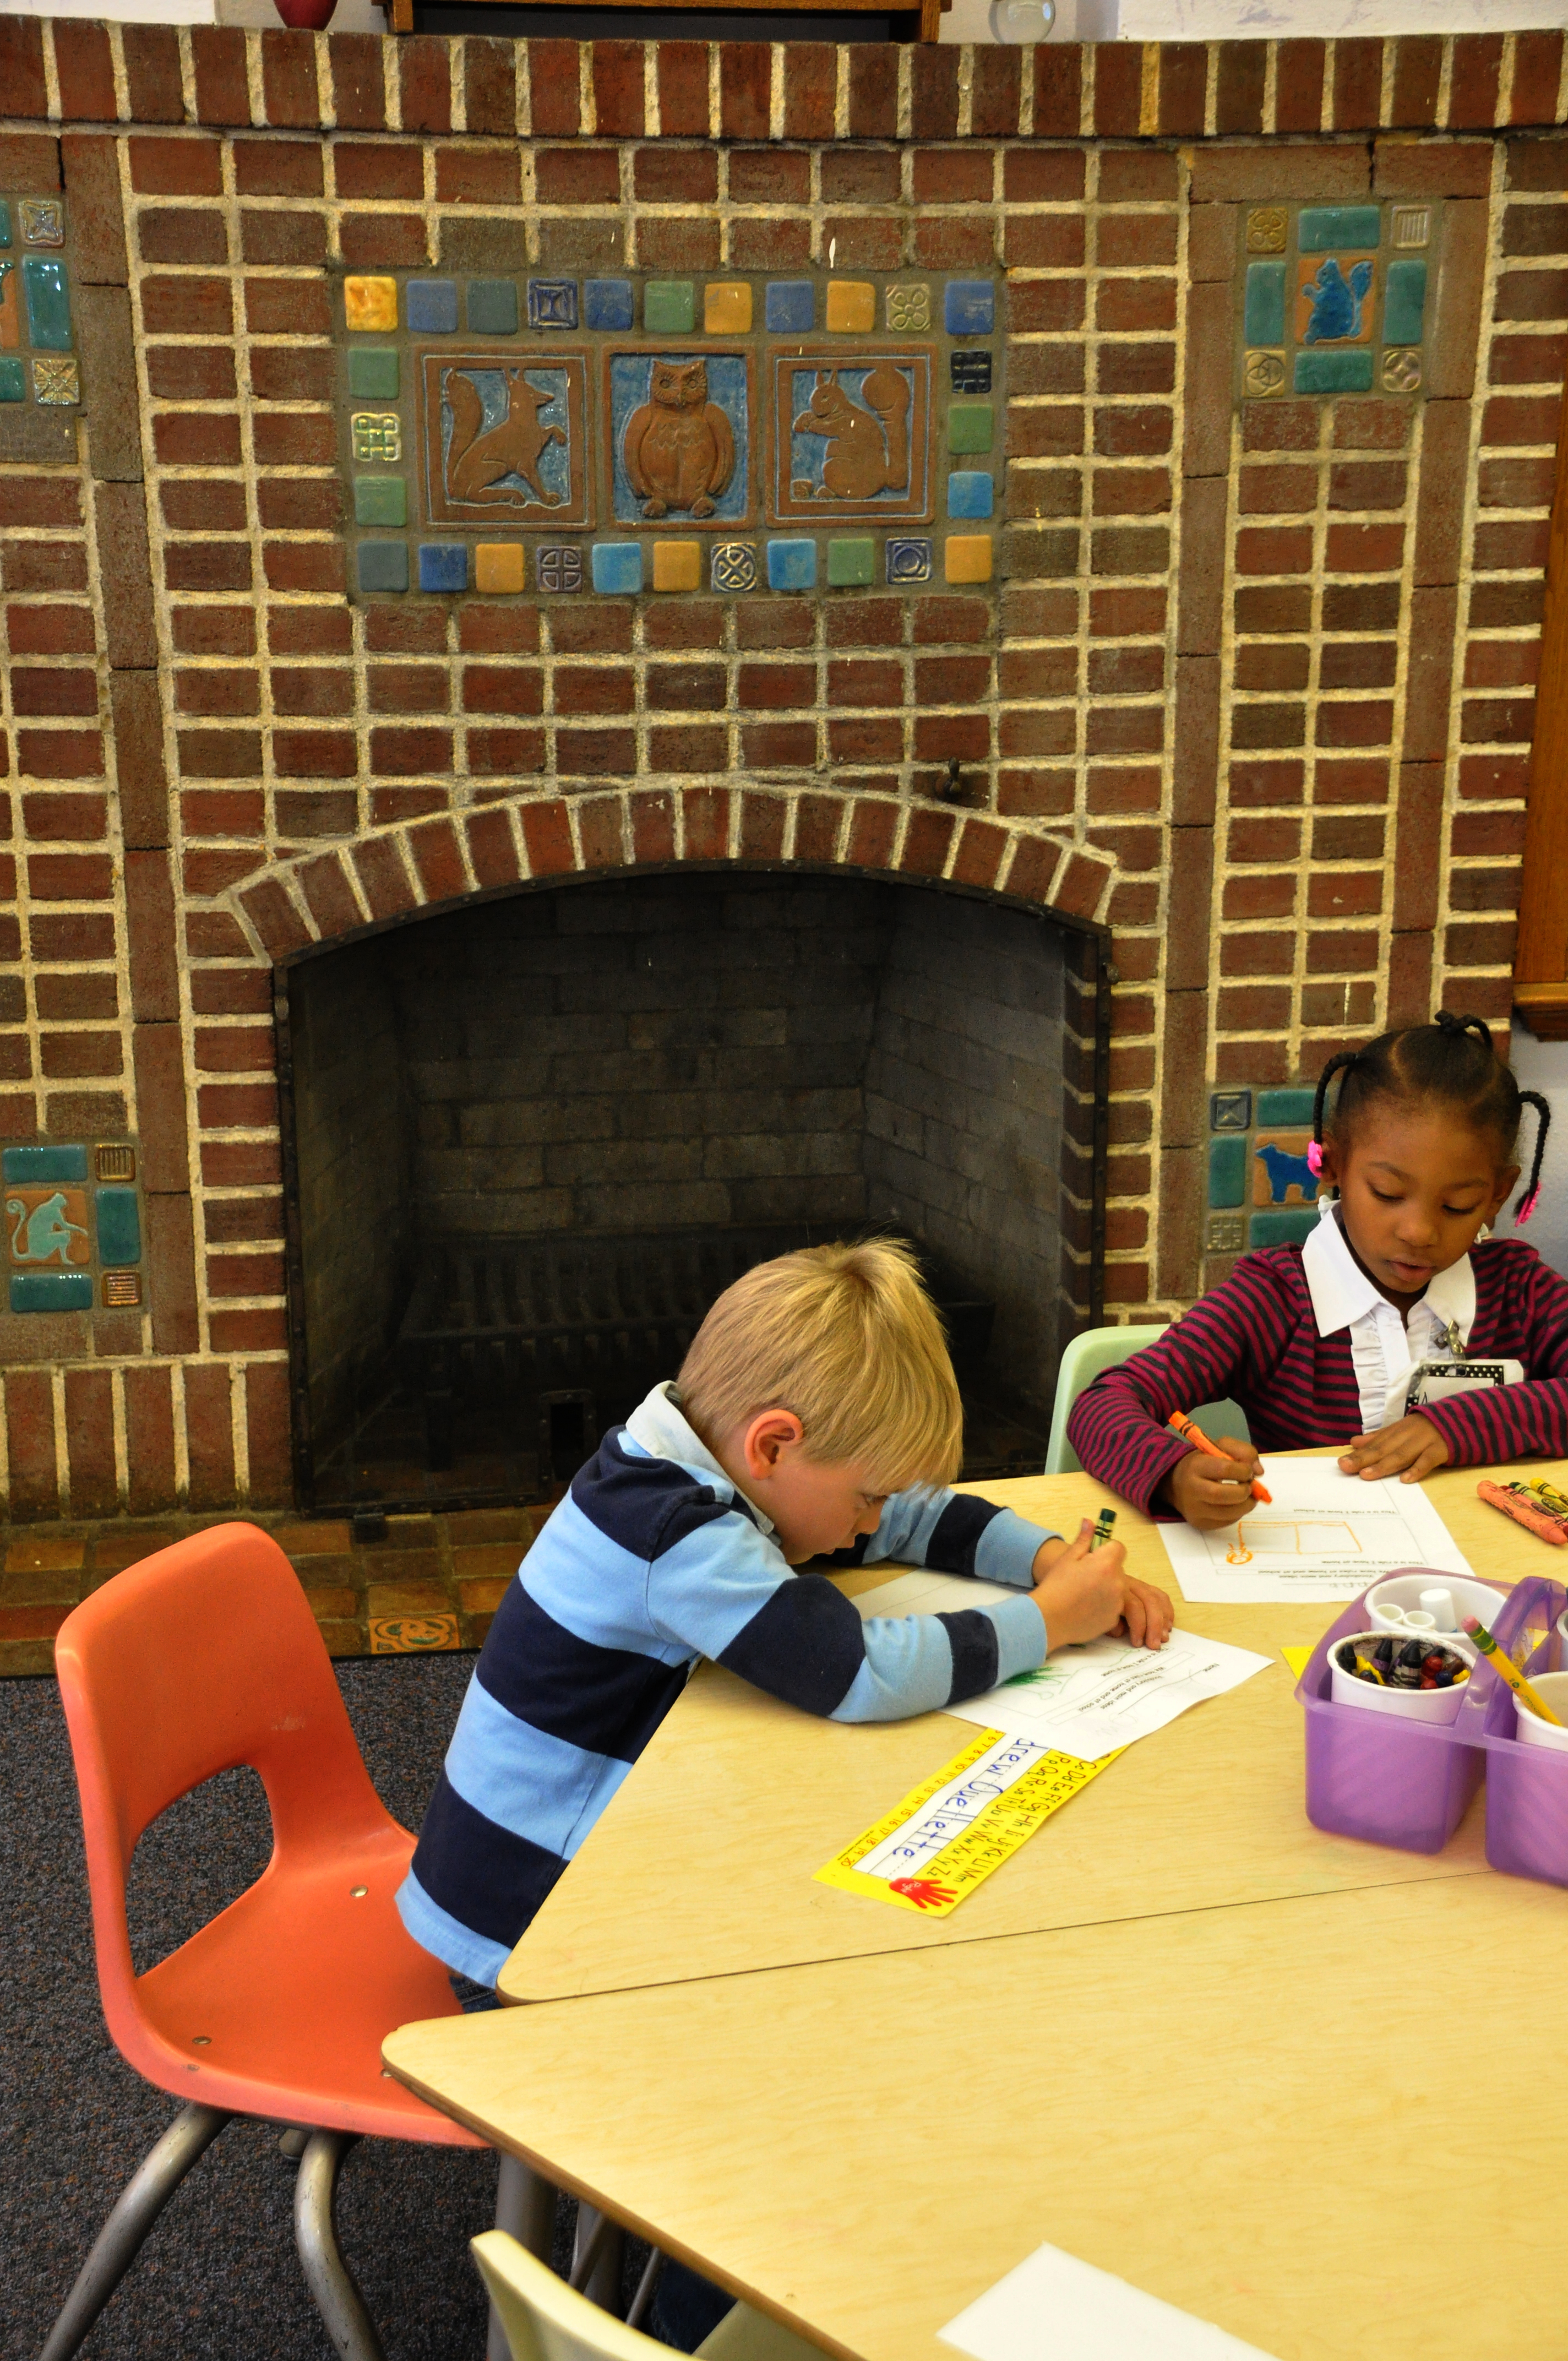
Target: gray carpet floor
point(219, 2277)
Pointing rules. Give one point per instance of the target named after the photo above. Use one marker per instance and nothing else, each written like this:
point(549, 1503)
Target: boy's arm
point(1118, 1424)
point(953, 1532)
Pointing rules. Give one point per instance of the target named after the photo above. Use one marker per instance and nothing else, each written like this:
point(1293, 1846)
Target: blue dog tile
point(790, 307)
point(607, 303)
point(617, 565)
point(792, 565)
point(970, 493)
point(970, 307)
point(442, 566)
point(432, 306)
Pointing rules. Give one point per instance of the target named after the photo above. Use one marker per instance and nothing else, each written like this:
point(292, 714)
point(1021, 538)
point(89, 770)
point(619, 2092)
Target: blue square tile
point(1404, 302)
point(790, 307)
point(908, 561)
point(1293, 1229)
point(1265, 310)
point(607, 303)
point(44, 1164)
point(432, 306)
point(792, 565)
point(493, 307)
point(1227, 1170)
point(617, 565)
point(442, 566)
point(552, 303)
point(970, 307)
point(1320, 227)
point(383, 565)
point(970, 493)
point(1283, 1107)
point(51, 1290)
point(119, 1228)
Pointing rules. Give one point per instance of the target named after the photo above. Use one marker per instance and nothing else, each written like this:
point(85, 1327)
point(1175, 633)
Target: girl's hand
point(1084, 1593)
point(1410, 1449)
point(1209, 1493)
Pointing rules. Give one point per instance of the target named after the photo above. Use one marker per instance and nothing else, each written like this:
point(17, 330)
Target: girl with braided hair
point(1400, 1333)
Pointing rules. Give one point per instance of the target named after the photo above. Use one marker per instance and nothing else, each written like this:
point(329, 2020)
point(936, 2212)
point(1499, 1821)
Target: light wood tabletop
point(1331, 2124)
point(706, 1862)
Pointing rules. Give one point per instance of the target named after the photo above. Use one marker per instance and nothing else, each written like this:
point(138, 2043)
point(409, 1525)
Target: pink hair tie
point(1314, 1158)
point(1528, 1208)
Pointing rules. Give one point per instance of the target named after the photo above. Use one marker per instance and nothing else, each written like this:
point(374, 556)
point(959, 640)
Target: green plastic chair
point(1103, 1348)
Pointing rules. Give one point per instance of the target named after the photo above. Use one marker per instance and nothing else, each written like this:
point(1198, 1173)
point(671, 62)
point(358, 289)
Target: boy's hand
point(1410, 1449)
point(1083, 1593)
point(1209, 1493)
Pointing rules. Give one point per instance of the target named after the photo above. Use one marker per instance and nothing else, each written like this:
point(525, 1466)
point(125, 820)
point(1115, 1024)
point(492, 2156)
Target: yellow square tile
point(497, 565)
point(677, 566)
point(370, 302)
point(726, 307)
point(851, 306)
point(966, 557)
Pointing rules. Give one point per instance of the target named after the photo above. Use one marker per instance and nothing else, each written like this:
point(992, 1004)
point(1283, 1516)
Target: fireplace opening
point(529, 1140)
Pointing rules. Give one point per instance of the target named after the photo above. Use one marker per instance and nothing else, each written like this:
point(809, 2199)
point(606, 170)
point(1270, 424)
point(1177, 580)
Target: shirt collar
point(659, 1427)
point(1341, 1292)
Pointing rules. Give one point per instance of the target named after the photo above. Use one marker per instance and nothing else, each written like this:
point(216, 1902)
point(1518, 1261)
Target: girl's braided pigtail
point(1342, 1062)
point(1527, 1203)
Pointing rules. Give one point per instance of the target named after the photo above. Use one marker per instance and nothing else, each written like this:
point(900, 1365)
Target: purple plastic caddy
point(1526, 1786)
point(1372, 1775)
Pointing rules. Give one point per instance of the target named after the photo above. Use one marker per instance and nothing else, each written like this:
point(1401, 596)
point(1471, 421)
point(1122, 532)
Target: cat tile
point(552, 303)
point(790, 307)
point(971, 426)
point(373, 372)
point(607, 303)
point(727, 307)
point(493, 307)
point(48, 304)
point(970, 307)
point(734, 565)
point(858, 439)
point(970, 493)
point(497, 565)
point(851, 562)
point(505, 442)
point(383, 565)
point(908, 561)
point(669, 307)
point(442, 566)
point(680, 437)
point(370, 303)
point(618, 566)
point(970, 372)
point(792, 565)
point(966, 557)
point(677, 566)
point(431, 306)
point(381, 499)
point(13, 380)
point(558, 567)
point(852, 307)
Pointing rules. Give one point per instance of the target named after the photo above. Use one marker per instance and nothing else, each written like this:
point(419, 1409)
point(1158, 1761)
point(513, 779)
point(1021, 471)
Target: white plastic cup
point(1563, 1638)
point(1413, 1705)
point(1530, 1729)
point(1404, 1591)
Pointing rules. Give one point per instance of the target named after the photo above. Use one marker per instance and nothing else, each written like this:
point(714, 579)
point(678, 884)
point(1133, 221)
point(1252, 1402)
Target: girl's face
point(1415, 1188)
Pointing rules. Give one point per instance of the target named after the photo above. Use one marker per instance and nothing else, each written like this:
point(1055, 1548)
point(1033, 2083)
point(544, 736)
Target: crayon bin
point(1526, 1786)
point(1378, 1776)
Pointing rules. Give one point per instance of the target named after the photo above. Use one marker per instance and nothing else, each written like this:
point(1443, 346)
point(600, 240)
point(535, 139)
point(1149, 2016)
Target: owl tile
point(681, 444)
point(503, 437)
point(850, 435)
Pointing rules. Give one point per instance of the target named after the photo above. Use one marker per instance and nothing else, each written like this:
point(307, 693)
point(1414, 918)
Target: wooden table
point(706, 1863)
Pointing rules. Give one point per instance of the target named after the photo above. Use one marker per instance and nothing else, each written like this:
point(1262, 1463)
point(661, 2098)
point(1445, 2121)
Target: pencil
point(1506, 1670)
point(1199, 1442)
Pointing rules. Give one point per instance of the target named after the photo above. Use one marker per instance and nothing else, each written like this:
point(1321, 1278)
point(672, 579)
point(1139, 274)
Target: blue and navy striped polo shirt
point(653, 1561)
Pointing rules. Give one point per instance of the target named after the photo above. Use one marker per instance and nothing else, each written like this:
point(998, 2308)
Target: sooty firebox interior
point(532, 1139)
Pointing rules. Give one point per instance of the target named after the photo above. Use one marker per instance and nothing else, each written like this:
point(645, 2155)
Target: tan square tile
point(482, 1597)
point(35, 1553)
point(336, 1601)
point(495, 1558)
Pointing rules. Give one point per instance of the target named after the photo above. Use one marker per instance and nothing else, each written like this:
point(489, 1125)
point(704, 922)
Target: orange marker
point(1195, 1435)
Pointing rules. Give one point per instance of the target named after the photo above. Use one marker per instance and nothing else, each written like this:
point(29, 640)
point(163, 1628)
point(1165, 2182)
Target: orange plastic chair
point(203, 1657)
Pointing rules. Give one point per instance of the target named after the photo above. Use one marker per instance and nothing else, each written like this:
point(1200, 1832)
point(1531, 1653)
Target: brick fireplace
point(1205, 657)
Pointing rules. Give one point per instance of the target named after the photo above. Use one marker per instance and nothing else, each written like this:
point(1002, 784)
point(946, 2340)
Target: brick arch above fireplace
point(291, 908)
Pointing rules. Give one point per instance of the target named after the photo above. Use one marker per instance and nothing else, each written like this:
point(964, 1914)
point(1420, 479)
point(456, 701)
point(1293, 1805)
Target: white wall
point(1544, 1066)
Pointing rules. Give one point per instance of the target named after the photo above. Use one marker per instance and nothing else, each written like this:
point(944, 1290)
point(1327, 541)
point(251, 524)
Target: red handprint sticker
point(924, 1891)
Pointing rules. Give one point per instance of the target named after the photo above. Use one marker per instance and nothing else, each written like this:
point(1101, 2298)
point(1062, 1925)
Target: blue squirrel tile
point(442, 566)
point(48, 304)
point(432, 306)
point(970, 493)
point(41, 1164)
point(607, 303)
point(970, 307)
point(383, 565)
point(552, 303)
point(1264, 307)
point(1348, 370)
point(1227, 1170)
point(51, 1290)
point(1279, 1109)
point(119, 1227)
point(618, 566)
point(792, 565)
point(493, 307)
point(13, 379)
point(1319, 227)
point(790, 307)
point(908, 561)
point(1404, 302)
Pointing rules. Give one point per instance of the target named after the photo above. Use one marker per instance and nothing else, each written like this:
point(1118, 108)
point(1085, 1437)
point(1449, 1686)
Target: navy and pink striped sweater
point(1255, 1340)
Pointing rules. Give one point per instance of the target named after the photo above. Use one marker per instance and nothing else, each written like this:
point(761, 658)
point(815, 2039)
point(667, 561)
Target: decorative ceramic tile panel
point(1261, 1191)
point(37, 366)
point(1334, 299)
point(529, 406)
point(73, 1225)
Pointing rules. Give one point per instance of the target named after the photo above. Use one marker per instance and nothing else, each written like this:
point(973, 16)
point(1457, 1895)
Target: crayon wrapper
point(1535, 1521)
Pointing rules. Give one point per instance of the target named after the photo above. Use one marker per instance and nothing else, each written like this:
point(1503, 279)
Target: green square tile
point(669, 307)
point(1342, 369)
point(1227, 1170)
point(851, 561)
point(1404, 302)
point(971, 425)
point(493, 307)
point(13, 380)
point(381, 499)
point(373, 372)
point(1264, 311)
point(1278, 1108)
point(1284, 1229)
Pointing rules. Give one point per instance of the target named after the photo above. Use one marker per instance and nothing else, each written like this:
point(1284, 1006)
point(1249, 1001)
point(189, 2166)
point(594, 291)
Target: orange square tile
point(497, 565)
point(407, 1635)
point(370, 302)
point(851, 306)
point(966, 557)
point(677, 566)
point(726, 307)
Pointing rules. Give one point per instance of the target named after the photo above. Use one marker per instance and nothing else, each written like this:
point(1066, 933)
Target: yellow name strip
point(952, 1830)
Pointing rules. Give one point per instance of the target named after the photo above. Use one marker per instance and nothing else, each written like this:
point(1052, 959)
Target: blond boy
point(816, 1413)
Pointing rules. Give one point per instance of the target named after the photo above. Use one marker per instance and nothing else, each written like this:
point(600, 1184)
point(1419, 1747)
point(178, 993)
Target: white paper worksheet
point(1324, 1536)
point(1088, 1700)
point(1056, 2308)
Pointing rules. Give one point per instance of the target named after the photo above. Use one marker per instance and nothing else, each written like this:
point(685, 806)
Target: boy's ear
point(765, 1439)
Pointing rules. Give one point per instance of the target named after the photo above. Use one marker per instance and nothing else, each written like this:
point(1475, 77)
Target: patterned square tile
point(552, 303)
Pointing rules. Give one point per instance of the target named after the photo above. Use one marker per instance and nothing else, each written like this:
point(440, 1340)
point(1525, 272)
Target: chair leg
point(331, 2283)
point(525, 2209)
point(137, 2207)
point(597, 2258)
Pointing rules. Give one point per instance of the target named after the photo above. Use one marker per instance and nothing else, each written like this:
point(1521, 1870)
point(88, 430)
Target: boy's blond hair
point(847, 1338)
